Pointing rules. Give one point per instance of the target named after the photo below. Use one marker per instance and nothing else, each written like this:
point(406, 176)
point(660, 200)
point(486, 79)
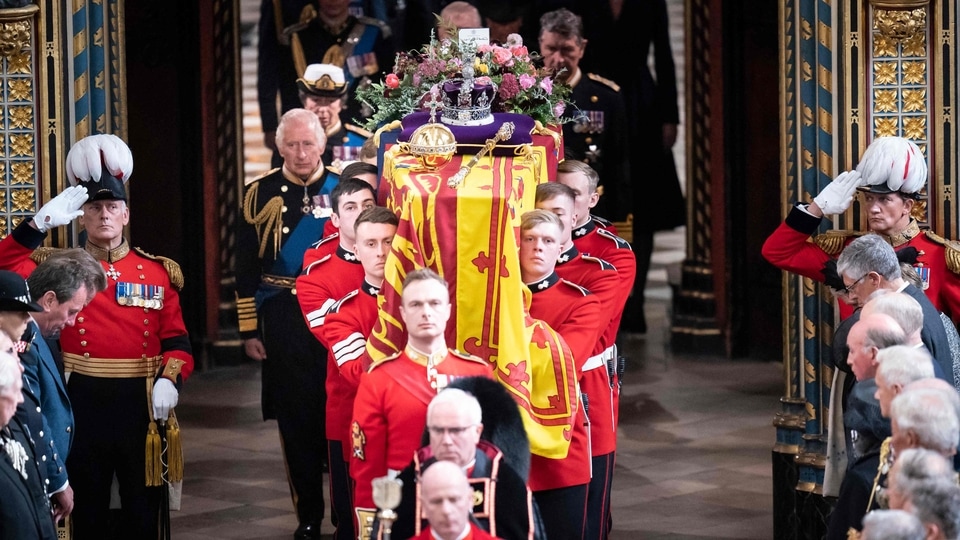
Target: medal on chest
point(15, 451)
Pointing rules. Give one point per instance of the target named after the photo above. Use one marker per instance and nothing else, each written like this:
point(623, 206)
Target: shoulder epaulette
point(264, 175)
point(580, 289)
point(370, 21)
point(335, 308)
point(41, 253)
point(604, 81)
point(383, 361)
point(170, 265)
point(332, 170)
point(324, 240)
point(604, 265)
point(325, 258)
point(832, 242)
point(467, 356)
point(951, 250)
point(620, 242)
point(366, 134)
point(601, 220)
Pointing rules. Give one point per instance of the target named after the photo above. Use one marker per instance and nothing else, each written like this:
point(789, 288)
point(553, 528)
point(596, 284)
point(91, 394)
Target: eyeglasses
point(452, 431)
point(849, 288)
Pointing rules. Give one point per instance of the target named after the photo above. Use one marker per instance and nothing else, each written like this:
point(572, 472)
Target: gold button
point(293, 291)
point(83, 343)
point(346, 139)
point(283, 208)
point(146, 310)
point(146, 334)
point(143, 356)
point(139, 267)
point(144, 344)
point(146, 321)
point(79, 319)
point(594, 99)
point(143, 276)
point(286, 230)
point(82, 331)
point(588, 140)
point(69, 429)
point(86, 355)
point(284, 188)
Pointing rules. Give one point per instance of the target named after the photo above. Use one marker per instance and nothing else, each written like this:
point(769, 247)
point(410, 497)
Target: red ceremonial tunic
point(334, 273)
point(788, 249)
point(574, 313)
point(476, 533)
point(390, 414)
point(140, 327)
point(600, 278)
point(344, 334)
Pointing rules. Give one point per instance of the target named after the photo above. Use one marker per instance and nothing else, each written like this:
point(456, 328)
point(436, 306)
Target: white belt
point(601, 359)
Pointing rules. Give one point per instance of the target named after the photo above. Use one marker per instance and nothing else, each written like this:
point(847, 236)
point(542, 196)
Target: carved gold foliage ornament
point(3, 225)
point(21, 117)
point(3, 200)
point(915, 100)
point(916, 45)
point(885, 100)
point(899, 24)
point(885, 127)
point(23, 200)
point(915, 127)
point(915, 73)
point(20, 89)
point(883, 46)
point(22, 172)
point(14, 37)
point(20, 63)
point(21, 145)
point(884, 73)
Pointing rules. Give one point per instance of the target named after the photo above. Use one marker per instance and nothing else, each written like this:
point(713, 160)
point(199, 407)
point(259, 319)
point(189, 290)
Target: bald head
point(446, 498)
point(867, 337)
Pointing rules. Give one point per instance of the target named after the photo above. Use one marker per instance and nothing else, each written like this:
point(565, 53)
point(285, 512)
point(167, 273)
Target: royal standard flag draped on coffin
point(469, 235)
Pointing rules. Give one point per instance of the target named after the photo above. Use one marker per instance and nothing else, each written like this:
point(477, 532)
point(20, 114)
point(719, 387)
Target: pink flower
point(527, 81)
point(501, 56)
point(520, 52)
point(485, 48)
point(559, 108)
point(508, 87)
point(547, 85)
point(483, 80)
point(392, 80)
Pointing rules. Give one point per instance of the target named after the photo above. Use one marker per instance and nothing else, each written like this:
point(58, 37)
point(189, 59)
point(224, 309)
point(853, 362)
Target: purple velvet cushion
point(471, 138)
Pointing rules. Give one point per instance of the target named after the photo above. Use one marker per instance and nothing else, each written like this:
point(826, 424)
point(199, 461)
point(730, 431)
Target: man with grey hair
point(914, 466)
point(936, 504)
point(454, 427)
point(899, 366)
point(868, 264)
point(925, 418)
point(892, 525)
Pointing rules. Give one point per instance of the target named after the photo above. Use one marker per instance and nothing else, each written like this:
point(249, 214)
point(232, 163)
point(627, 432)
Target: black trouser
point(111, 420)
point(563, 511)
point(599, 518)
point(294, 374)
point(341, 492)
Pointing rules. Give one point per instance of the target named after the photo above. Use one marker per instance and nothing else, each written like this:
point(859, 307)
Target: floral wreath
point(523, 88)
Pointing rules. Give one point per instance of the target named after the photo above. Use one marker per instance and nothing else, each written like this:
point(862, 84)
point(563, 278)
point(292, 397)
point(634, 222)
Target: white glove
point(837, 196)
point(62, 209)
point(165, 397)
point(896, 162)
point(84, 158)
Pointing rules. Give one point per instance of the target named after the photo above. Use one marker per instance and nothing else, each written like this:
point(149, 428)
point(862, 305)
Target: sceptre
point(503, 134)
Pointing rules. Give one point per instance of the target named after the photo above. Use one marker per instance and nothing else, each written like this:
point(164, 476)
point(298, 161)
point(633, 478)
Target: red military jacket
point(595, 381)
point(390, 414)
point(937, 260)
point(134, 321)
point(344, 334)
point(327, 279)
point(596, 241)
point(475, 533)
point(573, 313)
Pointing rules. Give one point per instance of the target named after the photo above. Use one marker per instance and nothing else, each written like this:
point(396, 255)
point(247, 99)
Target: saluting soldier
point(598, 134)
point(323, 90)
point(329, 34)
point(129, 333)
point(284, 213)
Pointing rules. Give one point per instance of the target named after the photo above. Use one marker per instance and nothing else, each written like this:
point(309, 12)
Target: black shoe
point(307, 531)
